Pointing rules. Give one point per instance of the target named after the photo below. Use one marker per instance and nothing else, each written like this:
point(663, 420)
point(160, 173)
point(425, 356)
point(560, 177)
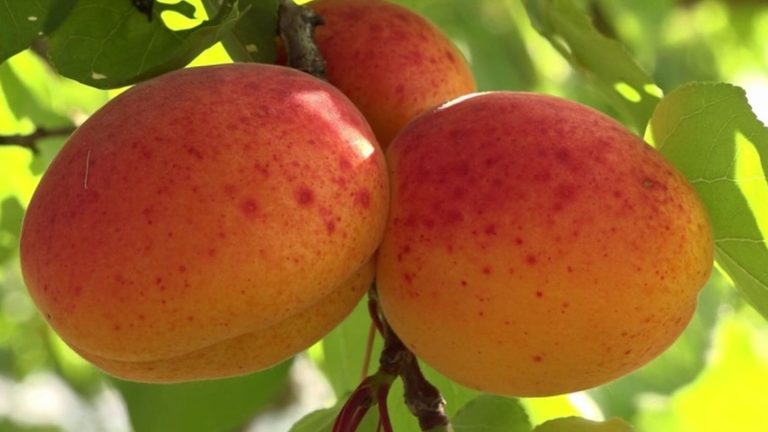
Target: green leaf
point(215, 406)
point(22, 21)
point(340, 354)
point(488, 413)
point(253, 38)
point(323, 420)
point(108, 44)
point(710, 133)
point(317, 421)
point(730, 394)
point(11, 214)
point(578, 424)
point(605, 61)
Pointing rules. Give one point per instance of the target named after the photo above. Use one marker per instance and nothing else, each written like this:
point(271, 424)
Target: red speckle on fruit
point(518, 241)
point(408, 278)
point(305, 196)
point(537, 359)
point(539, 294)
point(490, 229)
point(363, 198)
point(530, 260)
point(487, 270)
point(405, 250)
point(249, 207)
point(330, 227)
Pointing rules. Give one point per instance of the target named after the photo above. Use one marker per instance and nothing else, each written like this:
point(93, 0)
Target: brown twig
point(30, 141)
point(296, 25)
point(422, 398)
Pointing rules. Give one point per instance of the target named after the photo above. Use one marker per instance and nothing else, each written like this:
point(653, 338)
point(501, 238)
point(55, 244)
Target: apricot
point(391, 62)
point(535, 246)
point(251, 351)
point(201, 208)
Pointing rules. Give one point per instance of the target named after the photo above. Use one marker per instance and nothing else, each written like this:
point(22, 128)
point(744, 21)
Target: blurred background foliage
point(713, 379)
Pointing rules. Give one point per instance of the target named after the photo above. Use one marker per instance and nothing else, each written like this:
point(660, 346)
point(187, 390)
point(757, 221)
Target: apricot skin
point(535, 246)
point(200, 206)
point(392, 63)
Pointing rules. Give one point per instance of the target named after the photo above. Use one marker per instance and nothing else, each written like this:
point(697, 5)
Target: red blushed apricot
point(535, 246)
point(196, 207)
point(255, 350)
point(392, 63)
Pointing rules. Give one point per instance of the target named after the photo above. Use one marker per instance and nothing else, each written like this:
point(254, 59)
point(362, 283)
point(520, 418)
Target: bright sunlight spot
point(325, 107)
point(750, 178)
point(628, 92)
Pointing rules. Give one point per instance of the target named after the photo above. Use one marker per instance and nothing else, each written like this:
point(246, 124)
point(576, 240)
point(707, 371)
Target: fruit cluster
point(214, 221)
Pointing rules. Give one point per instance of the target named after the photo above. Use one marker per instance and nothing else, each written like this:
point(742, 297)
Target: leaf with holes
point(253, 38)
point(21, 22)
point(628, 88)
point(108, 44)
point(710, 133)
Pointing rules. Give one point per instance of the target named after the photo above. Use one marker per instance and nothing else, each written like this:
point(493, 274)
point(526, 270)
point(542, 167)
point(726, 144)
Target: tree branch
point(296, 25)
point(422, 398)
point(30, 141)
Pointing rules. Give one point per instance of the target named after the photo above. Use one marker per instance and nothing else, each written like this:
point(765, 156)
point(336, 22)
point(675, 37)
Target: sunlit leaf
point(108, 44)
point(709, 132)
point(21, 21)
point(488, 413)
point(11, 214)
point(202, 406)
point(578, 424)
point(677, 366)
point(730, 394)
point(605, 61)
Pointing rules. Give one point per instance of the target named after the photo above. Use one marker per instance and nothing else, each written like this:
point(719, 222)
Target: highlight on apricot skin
point(535, 246)
point(206, 206)
point(391, 62)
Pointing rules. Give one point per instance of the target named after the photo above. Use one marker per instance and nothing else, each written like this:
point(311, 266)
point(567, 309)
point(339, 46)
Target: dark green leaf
point(108, 44)
point(605, 61)
point(21, 21)
point(710, 133)
point(488, 413)
point(215, 406)
point(253, 38)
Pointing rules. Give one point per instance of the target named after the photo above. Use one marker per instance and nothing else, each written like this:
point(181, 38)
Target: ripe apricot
point(535, 246)
point(391, 62)
point(201, 206)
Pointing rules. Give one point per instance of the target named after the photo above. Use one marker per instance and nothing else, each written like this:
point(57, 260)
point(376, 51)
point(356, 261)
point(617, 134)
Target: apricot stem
point(296, 25)
point(422, 398)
